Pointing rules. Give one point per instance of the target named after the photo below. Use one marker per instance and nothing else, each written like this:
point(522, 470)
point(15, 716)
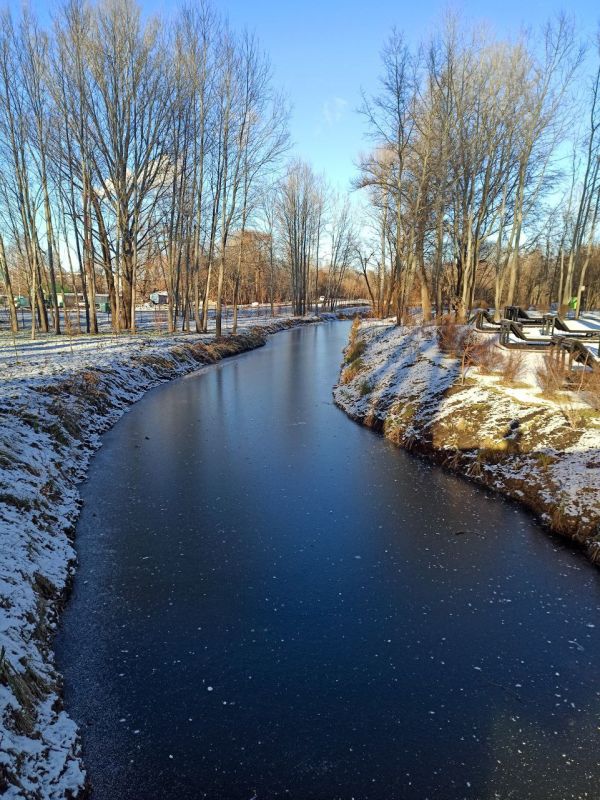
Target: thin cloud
point(333, 110)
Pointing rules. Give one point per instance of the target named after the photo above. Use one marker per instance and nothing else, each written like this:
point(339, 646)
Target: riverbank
point(56, 399)
point(490, 422)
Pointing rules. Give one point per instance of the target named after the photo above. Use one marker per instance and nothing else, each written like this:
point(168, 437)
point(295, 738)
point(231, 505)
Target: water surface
point(273, 602)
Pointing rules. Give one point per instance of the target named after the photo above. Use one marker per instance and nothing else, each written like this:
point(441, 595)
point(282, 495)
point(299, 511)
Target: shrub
point(365, 387)
point(590, 389)
point(471, 348)
point(451, 337)
point(550, 375)
point(487, 356)
point(352, 370)
point(513, 367)
point(411, 320)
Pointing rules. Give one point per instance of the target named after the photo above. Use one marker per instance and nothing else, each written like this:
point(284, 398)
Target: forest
point(140, 155)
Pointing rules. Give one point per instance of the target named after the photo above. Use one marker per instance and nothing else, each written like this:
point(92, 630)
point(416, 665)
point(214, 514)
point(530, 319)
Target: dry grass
point(157, 362)
point(559, 519)
point(589, 389)
point(545, 460)
point(201, 353)
point(550, 375)
point(356, 346)
point(452, 338)
point(354, 351)
point(513, 367)
point(486, 356)
point(573, 416)
point(352, 370)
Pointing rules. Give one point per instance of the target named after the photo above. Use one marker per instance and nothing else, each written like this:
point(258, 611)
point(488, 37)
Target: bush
point(513, 367)
point(365, 387)
point(477, 353)
point(451, 337)
point(411, 320)
point(487, 356)
point(550, 375)
point(352, 370)
point(590, 389)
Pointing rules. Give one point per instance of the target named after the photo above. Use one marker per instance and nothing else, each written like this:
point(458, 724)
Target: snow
point(56, 398)
point(543, 451)
point(586, 322)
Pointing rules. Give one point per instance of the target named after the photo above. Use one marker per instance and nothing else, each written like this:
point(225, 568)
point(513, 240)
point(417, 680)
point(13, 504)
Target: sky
point(324, 53)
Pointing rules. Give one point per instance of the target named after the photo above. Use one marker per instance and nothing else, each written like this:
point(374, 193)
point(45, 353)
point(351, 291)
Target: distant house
point(159, 298)
point(72, 300)
point(103, 303)
point(67, 300)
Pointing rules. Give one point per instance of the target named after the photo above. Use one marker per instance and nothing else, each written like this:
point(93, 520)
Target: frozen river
point(273, 602)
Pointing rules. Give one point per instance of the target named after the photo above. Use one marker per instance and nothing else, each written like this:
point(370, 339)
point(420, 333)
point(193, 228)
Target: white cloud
point(333, 110)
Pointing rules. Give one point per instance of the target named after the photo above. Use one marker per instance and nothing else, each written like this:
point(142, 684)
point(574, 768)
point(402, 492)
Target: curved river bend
point(273, 602)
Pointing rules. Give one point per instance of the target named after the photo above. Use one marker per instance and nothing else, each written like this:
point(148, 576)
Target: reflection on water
point(273, 602)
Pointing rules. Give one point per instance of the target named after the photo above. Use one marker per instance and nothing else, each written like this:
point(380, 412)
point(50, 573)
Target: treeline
point(473, 144)
point(137, 155)
point(128, 145)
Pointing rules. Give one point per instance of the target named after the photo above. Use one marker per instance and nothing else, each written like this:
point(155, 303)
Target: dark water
point(274, 602)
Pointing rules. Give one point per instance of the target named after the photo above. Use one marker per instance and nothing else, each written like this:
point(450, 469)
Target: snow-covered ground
point(55, 355)
point(154, 320)
point(57, 395)
point(543, 451)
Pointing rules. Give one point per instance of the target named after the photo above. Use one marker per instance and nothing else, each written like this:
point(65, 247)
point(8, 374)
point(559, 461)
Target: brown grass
point(356, 346)
point(590, 389)
point(352, 370)
point(355, 350)
point(487, 356)
point(573, 416)
point(513, 367)
point(452, 338)
point(550, 375)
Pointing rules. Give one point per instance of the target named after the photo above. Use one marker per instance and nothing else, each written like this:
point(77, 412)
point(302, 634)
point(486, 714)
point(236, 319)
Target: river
point(274, 602)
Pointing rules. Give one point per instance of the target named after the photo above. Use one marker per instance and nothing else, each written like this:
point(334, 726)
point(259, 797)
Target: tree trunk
point(14, 321)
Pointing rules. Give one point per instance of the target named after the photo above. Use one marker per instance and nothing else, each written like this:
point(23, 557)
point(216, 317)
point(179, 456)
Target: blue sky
point(324, 52)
